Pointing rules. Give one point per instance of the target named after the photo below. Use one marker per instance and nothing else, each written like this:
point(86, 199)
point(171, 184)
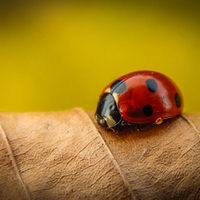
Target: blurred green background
point(55, 55)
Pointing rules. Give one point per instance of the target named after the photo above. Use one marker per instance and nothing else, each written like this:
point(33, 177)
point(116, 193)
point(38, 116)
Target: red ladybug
point(138, 98)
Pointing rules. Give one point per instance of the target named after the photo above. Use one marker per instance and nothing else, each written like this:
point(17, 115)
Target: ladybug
point(138, 98)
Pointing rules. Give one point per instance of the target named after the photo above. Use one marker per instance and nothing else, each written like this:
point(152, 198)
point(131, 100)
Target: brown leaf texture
point(66, 155)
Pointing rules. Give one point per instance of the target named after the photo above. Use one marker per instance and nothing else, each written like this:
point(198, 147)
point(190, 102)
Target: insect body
point(138, 98)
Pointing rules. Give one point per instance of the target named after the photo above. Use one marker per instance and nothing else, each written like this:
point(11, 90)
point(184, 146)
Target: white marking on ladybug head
point(107, 90)
point(115, 95)
point(110, 121)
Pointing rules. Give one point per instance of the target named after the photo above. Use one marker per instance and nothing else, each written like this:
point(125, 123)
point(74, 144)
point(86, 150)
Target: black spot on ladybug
point(178, 100)
point(148, 111)
point(118, 87)
point(152, 85)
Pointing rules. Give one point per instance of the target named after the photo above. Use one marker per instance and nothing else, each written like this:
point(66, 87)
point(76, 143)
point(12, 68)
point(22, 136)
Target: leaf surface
point(66, 155)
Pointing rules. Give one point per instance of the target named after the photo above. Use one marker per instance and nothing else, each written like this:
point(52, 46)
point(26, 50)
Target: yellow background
point(55, 56)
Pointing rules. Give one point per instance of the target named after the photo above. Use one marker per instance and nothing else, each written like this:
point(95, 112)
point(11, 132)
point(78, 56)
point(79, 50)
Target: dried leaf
point(66, 155)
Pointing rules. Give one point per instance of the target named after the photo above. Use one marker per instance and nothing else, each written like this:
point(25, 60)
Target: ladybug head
point(107, 113)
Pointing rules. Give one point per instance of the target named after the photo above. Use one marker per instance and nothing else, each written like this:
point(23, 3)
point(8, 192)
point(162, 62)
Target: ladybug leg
point(123, 123)
point(114, 130)
point(139, 127)
point(159, 121)
point(129, 124)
